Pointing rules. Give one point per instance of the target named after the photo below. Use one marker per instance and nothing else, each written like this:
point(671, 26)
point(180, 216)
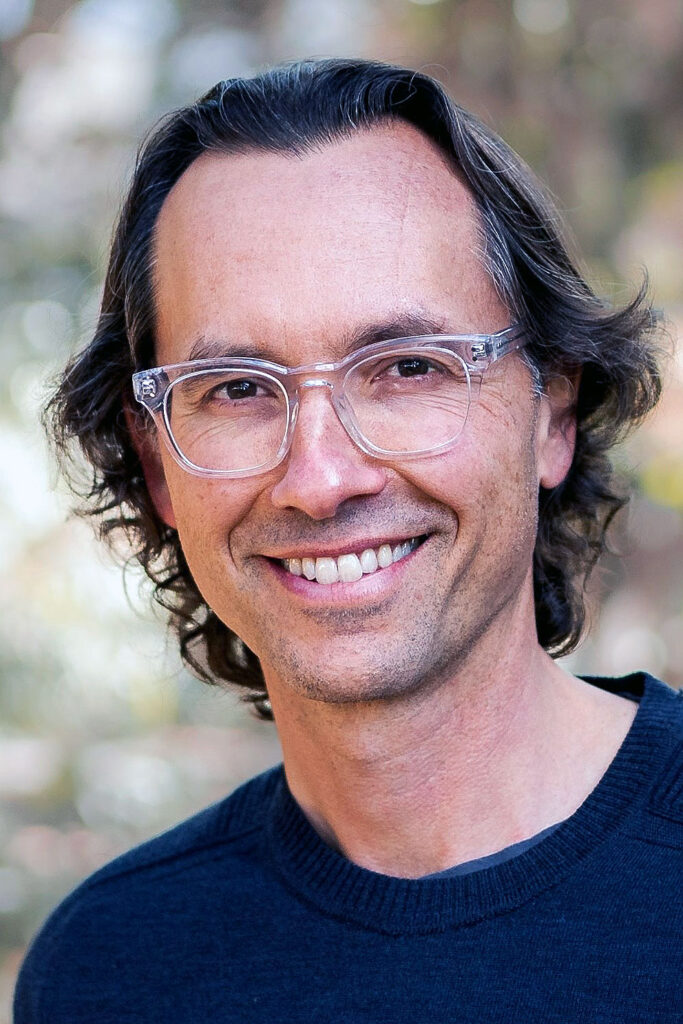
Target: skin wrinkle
point(423, 726)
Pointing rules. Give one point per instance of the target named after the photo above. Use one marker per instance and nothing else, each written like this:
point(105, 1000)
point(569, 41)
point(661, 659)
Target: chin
point(349, 679)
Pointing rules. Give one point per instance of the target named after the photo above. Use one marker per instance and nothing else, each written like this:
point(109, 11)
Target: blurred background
point(104, 739)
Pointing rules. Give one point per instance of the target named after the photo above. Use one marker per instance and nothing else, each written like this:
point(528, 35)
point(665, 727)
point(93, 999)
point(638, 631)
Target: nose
point(324, 466)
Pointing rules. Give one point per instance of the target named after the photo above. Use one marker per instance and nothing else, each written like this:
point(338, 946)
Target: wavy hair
point(297, 108)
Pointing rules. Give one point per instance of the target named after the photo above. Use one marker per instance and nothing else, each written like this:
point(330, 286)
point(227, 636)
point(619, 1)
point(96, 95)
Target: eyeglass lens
point(232, 420)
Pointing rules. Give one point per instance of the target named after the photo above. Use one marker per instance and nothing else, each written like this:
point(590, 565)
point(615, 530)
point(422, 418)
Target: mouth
point(351, 566)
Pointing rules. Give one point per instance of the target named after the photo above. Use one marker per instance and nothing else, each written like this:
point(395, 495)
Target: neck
point(486, 758)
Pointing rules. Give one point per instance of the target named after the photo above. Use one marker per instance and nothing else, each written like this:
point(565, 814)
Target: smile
point(347, 568)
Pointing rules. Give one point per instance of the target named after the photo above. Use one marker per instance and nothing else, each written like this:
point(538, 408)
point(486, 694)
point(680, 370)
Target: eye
point(408, 367)
point(236, 389)
point(413, 367)
point(222, 393)
point(408, 374)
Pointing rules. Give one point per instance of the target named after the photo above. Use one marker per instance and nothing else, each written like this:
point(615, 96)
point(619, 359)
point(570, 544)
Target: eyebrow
point(400, 325)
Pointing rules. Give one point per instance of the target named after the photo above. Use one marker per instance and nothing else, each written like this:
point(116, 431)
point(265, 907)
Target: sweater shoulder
point(130, 889)
point(219, 824)
point(214, 831)
point(666, 795)
point(662, 819)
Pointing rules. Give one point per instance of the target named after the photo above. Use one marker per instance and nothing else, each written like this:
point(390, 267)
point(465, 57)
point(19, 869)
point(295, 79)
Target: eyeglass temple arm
point(498, 345)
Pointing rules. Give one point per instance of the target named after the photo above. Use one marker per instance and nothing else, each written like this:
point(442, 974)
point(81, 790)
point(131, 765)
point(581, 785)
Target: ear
point(557, 429)
point(146, 444)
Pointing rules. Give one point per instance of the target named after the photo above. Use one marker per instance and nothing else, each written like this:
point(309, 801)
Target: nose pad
point(323, 466)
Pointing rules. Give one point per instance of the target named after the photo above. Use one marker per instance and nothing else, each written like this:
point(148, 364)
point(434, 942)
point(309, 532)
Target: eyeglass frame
point(477, 352)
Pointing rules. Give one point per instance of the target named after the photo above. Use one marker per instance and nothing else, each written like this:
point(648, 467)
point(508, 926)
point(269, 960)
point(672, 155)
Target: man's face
point(290, 258)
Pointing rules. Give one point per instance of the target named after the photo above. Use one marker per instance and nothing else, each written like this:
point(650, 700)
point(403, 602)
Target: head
point(197, 238)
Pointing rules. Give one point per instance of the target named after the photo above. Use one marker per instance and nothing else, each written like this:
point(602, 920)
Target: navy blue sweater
point(243, 913)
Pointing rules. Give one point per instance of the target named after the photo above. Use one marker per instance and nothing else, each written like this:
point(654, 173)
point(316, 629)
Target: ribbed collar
point(398, 906)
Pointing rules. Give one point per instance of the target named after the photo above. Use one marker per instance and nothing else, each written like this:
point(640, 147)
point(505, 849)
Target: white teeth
point(368, 560)
point(384, 556)
point(349, 567)
point(308, 568)
point(326, 570)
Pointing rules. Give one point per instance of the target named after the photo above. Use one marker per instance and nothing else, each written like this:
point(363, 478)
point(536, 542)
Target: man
point(363, 458)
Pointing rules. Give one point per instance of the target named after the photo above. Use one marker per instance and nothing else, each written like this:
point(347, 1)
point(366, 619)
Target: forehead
point(262, 246)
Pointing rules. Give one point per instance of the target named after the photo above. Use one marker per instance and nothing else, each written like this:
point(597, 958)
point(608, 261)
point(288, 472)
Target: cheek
point(491, 488)
point(459, 478)
point(209, 514)
point(206, 513)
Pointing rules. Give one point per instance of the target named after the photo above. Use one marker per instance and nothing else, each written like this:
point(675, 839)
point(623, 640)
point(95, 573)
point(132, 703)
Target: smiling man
point(357, 401)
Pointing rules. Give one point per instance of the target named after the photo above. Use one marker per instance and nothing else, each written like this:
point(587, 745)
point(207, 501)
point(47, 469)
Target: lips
point(350, 566)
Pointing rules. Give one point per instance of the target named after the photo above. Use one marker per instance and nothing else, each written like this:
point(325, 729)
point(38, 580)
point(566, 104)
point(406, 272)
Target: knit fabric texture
point(243, 913)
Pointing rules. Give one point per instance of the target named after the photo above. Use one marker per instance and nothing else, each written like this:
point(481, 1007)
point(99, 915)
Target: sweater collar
point(399, 906)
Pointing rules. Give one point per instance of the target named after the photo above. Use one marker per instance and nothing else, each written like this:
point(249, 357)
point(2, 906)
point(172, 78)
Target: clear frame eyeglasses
point(398, 399)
